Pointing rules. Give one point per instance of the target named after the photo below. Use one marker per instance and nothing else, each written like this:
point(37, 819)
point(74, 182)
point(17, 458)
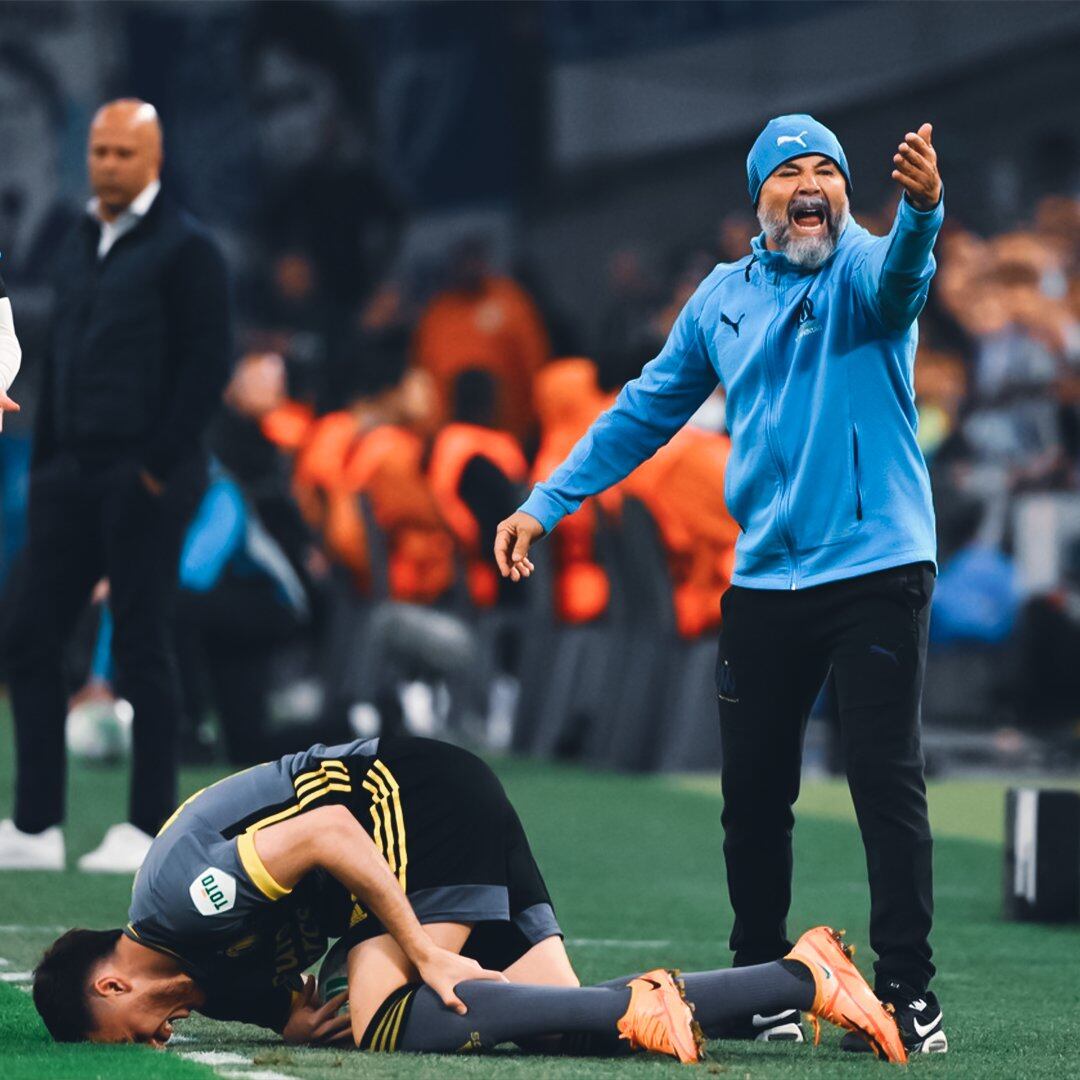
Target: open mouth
point(809, 217)
point(165, 1032)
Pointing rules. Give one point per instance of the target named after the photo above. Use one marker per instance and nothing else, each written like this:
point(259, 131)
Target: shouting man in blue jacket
point(813, 336)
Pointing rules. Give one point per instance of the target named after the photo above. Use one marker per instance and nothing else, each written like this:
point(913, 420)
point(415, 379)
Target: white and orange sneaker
point(659, 1018)
point(843, 997)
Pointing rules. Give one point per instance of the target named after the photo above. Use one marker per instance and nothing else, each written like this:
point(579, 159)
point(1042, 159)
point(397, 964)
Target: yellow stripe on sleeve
point(327, 771)
point(261, 878)
point(308, 797)
point(310, 785)
point(300, 778)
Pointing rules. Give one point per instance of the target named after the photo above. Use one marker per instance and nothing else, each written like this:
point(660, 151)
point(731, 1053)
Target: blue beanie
point(787, 137)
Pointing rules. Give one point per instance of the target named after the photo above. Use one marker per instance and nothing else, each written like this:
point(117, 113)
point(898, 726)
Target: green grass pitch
point(635, 868)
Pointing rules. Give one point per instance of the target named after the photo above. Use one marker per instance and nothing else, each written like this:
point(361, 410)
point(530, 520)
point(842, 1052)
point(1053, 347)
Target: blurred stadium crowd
point(385, 414)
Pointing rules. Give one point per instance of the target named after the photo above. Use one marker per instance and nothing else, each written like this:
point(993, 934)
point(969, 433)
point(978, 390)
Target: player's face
point(809, 192)
point(123, 156)
point(143, 1013)
point(803, 209)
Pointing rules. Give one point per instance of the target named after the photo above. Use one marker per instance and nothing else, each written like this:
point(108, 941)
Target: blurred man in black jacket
point(139, 357)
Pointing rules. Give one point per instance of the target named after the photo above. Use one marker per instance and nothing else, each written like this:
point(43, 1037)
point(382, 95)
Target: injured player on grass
point(410, 853)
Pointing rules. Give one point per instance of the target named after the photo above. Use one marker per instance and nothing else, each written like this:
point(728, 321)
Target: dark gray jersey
point(204, 896)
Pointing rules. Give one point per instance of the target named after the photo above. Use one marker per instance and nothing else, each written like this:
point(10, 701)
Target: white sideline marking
point(254, 1074)
point(16, 976)
point(4, 963)
point(215, 1057)
point(605, 943)
point(20, 928)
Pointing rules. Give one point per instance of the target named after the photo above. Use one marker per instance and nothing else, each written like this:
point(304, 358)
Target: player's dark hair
point(62, 978)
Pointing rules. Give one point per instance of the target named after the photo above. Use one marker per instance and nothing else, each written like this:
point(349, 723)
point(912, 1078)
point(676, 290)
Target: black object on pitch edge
point(1042, 855)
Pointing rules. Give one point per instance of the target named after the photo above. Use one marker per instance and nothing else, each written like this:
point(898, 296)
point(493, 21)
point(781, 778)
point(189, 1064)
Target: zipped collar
point(775, 265)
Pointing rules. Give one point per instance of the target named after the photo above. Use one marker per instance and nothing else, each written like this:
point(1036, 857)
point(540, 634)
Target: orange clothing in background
point(454, 447)
point(320, 461)
point(497, 330)
point(335, 460)
point(683, 487)
point(387, 466)
point(289, 425)
point(568, 399)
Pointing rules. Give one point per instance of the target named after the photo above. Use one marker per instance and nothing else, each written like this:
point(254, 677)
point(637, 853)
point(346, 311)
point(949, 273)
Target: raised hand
point(915, 169)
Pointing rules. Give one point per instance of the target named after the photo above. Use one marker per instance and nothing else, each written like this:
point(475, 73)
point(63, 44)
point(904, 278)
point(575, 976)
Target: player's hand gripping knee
point(445, 969)
point(513, 538)
point(312, 1024)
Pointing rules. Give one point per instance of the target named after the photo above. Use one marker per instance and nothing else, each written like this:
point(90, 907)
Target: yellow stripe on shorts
point(388, 819)
point(398, 1017)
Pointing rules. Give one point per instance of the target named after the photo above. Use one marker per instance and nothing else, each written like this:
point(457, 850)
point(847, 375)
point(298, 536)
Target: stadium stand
point(366, 473)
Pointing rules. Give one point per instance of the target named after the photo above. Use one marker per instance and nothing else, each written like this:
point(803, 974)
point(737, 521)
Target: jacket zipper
point(858, 478)
point(774, 449)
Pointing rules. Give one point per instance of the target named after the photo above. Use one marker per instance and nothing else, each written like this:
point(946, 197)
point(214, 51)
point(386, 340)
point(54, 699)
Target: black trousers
point(85, 524)
point(776, 648)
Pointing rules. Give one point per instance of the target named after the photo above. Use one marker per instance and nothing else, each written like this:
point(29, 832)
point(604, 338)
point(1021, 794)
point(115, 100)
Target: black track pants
point(776, 648)
point(85, 525)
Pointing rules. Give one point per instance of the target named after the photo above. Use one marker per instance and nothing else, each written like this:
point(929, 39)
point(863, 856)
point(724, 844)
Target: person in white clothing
point(10, 354)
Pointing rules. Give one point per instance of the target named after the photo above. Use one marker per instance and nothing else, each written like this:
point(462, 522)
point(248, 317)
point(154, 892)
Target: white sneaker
point(30, 851)
point(121, 852)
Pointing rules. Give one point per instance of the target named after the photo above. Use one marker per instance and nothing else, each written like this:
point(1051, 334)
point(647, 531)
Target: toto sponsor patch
point(213, 891)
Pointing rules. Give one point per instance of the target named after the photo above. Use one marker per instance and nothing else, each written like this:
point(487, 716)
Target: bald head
point(124, 153)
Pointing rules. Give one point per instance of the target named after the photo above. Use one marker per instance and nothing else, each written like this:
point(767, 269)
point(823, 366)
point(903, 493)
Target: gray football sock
point(731, 993)
point(514, 1012)
point(509, 1012)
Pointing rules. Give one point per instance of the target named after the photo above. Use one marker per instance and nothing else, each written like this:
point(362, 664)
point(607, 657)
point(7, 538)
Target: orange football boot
point(842, 996)
point(660, 1020)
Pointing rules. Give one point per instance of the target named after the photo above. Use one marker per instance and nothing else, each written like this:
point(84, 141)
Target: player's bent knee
point(545, 964)
point(384, 1030)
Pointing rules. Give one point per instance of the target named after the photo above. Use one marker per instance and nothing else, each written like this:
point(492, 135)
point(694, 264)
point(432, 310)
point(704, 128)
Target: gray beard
point(808, 252)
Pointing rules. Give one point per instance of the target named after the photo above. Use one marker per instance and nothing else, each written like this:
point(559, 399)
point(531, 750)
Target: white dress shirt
point(126, 220)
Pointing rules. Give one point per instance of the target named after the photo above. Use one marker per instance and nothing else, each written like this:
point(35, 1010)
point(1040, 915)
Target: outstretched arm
point(331, 839)
point(646, 415)
point(895, 276)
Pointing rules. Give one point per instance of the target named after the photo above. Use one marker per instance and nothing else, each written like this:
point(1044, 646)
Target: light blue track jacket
point(825, 477)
